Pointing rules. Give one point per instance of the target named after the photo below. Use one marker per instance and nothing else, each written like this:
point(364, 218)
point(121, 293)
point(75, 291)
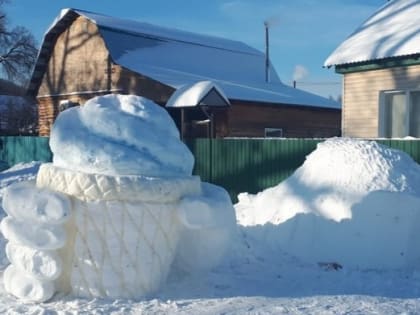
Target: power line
point(317, 83)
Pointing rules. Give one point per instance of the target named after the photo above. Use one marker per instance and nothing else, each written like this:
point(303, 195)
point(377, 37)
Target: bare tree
point(17, 50)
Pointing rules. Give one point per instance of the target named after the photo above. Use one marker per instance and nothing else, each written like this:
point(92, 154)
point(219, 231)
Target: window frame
point(383, 111)
point(268, 130)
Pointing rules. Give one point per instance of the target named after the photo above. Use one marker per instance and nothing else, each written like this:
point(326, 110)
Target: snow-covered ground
point(376, 200)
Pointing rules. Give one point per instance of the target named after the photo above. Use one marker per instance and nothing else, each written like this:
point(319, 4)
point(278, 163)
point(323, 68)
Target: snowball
point(119, 135)
point(25, 287)
point(210, 223)
point(43, 237)
point(25, 202)
point(43, 265)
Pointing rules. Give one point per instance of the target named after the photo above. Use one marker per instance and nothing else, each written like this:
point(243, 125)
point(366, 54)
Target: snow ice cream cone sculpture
point(119, 207)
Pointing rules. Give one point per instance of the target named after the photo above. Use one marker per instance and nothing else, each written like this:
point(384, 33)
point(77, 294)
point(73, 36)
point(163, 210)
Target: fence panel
point(14, 150)
point(251, 165)
point(248, 165)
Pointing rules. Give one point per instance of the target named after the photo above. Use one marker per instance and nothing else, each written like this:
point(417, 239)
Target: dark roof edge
point(377, 64)
point(303, 106)
point(47, 45)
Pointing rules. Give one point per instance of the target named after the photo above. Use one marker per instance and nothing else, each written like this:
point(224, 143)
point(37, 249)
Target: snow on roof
point(392, 31)
point(178, 58)
point(192, 95)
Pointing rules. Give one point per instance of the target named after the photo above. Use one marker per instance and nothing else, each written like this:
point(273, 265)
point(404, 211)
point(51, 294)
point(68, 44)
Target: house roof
point(192, 95)
point(178, 59)
point(392, 31)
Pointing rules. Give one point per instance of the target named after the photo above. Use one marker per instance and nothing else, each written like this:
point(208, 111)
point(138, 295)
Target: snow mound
point(353, 202)
point(119, 135)
point(336, 176)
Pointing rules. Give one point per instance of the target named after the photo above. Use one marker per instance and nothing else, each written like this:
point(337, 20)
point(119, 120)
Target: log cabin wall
point(249, 119)
point(77, 70)
point(80, 68)
point(130, 82)
point(79, 61)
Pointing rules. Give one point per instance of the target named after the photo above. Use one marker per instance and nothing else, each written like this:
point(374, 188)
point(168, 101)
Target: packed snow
point(259, 276)
point(338, 236)
point(392, 31)
point(118, 135)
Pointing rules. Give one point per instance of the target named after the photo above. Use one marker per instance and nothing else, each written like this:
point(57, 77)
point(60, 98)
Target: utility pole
point(267, 51)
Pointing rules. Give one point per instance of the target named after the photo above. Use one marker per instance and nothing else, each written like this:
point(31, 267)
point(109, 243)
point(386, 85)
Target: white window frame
point(382, 111)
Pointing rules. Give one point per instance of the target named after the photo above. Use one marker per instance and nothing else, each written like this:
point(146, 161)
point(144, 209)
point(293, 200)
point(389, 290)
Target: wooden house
point(84, 54)
point(380, 64)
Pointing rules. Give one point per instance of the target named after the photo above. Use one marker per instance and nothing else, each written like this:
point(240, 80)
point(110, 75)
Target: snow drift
point(353, 202)
point(115, 210)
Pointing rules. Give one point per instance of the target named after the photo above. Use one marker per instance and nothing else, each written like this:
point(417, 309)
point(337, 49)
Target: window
point(273, 132)
point(400, 114)
point(65, 104)
point(415, 114)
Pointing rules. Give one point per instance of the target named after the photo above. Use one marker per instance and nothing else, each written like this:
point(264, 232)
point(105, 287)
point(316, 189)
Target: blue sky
point(302, 35)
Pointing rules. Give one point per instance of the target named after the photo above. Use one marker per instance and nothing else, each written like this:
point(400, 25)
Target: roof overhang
point(385, 63)
point(202, 93)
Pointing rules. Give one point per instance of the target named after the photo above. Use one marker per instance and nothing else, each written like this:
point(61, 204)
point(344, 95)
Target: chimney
point(267, 51)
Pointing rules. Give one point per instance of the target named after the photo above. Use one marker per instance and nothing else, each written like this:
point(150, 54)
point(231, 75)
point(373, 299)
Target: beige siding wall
point(360, 116)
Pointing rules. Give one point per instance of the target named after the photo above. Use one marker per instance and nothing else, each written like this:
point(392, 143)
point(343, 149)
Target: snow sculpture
point(35, 230)
point(119, 161)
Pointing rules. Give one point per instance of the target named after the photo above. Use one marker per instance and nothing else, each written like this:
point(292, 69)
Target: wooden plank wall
point(247, 119)
point(361, 97)
point(78, 63)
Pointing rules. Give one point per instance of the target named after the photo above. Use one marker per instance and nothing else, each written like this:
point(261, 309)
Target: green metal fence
point(248, 165)
point(251, 165)
point(15, 150)
point(239, 165)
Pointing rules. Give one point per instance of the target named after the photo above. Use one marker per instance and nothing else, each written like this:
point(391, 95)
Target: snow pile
point(353, 202)
point(134, 205)
point(17, 173)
